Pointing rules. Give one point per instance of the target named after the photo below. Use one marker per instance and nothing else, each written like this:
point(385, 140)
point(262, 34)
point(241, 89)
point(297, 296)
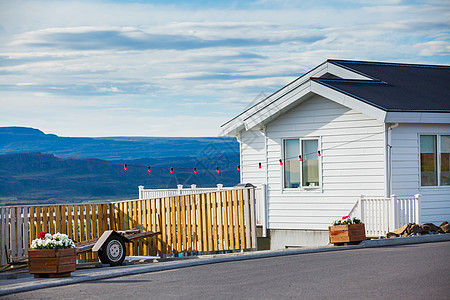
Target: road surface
point(420, 271)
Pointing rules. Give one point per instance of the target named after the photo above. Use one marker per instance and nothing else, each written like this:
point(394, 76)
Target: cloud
point(88, 38)
point(150, 65)
point(434, 48)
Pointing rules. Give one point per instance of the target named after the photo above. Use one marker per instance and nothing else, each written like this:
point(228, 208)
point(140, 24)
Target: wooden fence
point(197, 223)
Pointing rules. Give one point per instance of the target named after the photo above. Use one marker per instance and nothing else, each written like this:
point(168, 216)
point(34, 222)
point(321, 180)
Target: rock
point(433, 227)
point(400, 230)
point(390, 235)
point(426, 229)
point(445, 228)
point(443, 223)
point(412, 229)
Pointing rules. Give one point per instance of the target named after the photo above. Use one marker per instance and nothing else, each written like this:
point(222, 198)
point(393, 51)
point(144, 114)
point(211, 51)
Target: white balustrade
point(381, 215)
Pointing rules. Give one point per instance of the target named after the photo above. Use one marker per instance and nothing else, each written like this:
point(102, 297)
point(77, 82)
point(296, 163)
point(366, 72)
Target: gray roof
point(396, 87)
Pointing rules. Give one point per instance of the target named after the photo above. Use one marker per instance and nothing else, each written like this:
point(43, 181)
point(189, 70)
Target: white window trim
point(438, 162)
point(301, 188)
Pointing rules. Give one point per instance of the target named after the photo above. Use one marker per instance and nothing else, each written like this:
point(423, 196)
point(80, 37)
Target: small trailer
point(110, 246)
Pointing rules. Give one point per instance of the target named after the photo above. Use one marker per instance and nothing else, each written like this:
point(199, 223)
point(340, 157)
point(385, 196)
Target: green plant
point(346, 220)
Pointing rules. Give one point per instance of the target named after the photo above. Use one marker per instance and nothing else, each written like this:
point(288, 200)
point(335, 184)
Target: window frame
point(283, 152)
point(438, 161)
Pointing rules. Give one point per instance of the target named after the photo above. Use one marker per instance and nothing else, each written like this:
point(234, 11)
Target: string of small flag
point(195, 170)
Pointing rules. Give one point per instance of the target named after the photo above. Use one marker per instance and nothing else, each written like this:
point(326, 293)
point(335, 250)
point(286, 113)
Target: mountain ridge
point(92, 169)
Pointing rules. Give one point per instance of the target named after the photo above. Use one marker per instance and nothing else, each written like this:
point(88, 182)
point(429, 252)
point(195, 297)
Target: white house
point(342, 130)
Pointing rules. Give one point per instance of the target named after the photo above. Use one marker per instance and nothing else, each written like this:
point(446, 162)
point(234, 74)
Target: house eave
point(417, 117)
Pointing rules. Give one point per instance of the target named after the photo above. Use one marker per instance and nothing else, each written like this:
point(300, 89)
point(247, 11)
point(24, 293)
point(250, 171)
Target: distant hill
point(25, 139)
point(64, 169)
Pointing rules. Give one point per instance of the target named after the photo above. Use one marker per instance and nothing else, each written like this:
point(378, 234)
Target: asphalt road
point(420, 271)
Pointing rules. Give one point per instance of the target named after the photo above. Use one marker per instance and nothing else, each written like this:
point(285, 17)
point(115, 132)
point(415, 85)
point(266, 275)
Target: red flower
point(41, 234)
point(346, 217)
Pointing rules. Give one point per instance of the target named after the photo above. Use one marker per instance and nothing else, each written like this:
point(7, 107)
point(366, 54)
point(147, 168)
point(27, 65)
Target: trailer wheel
point(113, 251)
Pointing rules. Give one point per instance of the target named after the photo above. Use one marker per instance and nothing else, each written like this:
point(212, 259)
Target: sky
point(183, 68)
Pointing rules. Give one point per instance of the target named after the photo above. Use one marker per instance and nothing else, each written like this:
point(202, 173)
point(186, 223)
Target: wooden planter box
point(347, 234)
point(52, 262)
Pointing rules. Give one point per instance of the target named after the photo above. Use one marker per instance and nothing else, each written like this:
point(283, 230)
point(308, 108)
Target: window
point(435, 160)
point(301, 167)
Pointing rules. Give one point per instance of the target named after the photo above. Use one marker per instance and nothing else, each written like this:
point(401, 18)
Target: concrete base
point(282, 239)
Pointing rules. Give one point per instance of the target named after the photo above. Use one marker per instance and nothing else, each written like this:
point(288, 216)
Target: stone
point(433, 227)
point(445, 228)
point(426, 229)
point(443, 223)
point(390, 235)
point(413, 229)
point(400, 230)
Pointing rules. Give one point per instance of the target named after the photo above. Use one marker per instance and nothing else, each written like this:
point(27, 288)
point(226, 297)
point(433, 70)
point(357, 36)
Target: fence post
point(141, 192)
point(180, 187)
point(418, 209)
point(219, 186)
point(393, 216)
point(360, 208)
point(193, 186)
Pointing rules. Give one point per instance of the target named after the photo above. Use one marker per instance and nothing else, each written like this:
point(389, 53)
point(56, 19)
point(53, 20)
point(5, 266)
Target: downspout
point(264, 231)
point(388, 192)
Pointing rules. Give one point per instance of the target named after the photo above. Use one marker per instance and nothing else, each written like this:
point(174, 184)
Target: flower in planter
point(52, 241)
point(346, 220)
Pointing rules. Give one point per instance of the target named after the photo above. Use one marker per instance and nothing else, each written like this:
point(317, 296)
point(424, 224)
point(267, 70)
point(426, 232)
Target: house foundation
point(285, 238)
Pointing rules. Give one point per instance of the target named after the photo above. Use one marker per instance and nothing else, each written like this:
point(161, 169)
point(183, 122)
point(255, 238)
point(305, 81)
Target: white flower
point(57, 240)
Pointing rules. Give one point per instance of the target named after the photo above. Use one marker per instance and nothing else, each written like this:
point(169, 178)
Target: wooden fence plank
point(198, 246)
point(189, 222)
point(76, 229)
point(26, 230)
point(58, 219)
point(214, 221)
point(247, 217)
point(204, 223)
point(241, 220)
point(135, 225)
point(38, 219)
point(173, 224)
point(220, 221)
point(236, 219)
point(225, 221)
point(13, 222)
point(183, 224)
point(230, 219)
point(209, 222)
point(70, 220)
point(179, 229)
point(32, 224)
point(44, 223)
point(3, 239)
point(154, 227)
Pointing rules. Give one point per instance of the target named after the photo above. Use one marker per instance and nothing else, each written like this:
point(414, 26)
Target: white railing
point(381, 215)
point(260, 196)
point(161, 193)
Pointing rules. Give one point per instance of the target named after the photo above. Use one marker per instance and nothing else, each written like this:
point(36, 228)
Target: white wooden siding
point(406, 171)
point(253, 153)
point(352, 164)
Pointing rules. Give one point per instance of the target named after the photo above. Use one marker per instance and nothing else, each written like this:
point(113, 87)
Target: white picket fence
point(381, 215)
point(179, 191)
